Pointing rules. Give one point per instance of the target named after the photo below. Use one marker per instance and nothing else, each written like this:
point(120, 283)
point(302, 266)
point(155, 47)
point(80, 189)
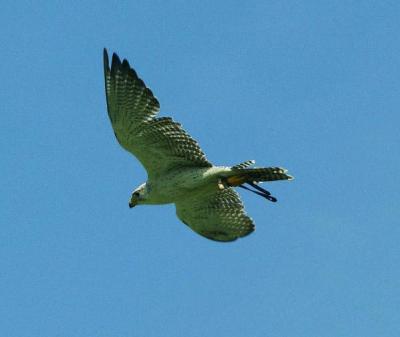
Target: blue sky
point(313, 87)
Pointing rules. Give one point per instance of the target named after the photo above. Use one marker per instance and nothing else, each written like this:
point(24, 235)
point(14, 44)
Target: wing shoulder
point(167, 141)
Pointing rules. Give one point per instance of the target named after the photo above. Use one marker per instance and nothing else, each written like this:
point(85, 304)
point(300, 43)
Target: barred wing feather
point(218, 216)
point(159, 143)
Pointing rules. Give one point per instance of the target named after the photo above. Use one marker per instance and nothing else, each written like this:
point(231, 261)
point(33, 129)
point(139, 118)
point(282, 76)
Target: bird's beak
point(132, 204)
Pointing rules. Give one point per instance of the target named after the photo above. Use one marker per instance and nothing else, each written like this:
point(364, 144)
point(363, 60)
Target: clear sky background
point(311, 86)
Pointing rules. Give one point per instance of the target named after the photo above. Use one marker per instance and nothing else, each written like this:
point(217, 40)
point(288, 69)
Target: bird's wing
point(218, 216)
point(159, 143)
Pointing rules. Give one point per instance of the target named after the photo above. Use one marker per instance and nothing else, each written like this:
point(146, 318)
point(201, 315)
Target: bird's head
point(138, 196)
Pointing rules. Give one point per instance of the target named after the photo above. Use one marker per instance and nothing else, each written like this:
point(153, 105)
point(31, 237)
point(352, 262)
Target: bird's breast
point(181, 183)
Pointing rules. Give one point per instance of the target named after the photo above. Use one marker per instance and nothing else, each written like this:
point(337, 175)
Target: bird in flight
point(177, 169)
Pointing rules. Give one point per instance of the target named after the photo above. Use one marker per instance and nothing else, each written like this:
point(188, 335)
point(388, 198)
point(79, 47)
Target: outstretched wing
point(218, 216)
point(159, 143)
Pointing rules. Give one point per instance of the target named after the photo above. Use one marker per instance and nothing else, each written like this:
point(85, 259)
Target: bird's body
point(178, 170)
point(177, 184)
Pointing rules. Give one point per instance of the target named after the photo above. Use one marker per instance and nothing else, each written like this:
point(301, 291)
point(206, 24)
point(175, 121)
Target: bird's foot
point(221, 185)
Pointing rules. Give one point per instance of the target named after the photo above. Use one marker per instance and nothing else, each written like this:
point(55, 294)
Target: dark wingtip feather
point(105, 60)
point(115, 62)
point(132, 72)
point(125, 65)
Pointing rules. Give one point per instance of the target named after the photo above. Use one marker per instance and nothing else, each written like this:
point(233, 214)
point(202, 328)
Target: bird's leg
point(259, 188)
point(260, 191)
point(266, 193)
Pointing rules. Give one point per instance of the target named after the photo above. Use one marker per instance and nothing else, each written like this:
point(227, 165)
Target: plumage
point(159, 143)
point(178, 170)
point(218, 216)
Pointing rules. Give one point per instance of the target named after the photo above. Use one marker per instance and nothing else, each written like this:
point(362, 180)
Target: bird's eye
point(136, 194)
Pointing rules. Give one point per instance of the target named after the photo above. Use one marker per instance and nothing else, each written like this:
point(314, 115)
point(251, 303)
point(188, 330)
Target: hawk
point(177, 169)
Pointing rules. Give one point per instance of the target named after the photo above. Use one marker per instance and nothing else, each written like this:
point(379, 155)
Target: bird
point(178, 171)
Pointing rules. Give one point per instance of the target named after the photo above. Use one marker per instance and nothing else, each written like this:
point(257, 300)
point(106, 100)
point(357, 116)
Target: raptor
point(177, 169)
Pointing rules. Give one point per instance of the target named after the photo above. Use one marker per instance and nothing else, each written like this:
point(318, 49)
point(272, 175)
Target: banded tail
point(243, 165)
point(241, 174)
point(255, 175)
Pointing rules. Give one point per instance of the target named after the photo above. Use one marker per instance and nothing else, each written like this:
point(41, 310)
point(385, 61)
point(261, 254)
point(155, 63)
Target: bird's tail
point(239, 176)
point(242, 174)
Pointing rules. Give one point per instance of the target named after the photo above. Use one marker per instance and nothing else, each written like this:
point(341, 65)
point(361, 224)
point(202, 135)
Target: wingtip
point(105, 58)
point(115, 62)
point(125, 65)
